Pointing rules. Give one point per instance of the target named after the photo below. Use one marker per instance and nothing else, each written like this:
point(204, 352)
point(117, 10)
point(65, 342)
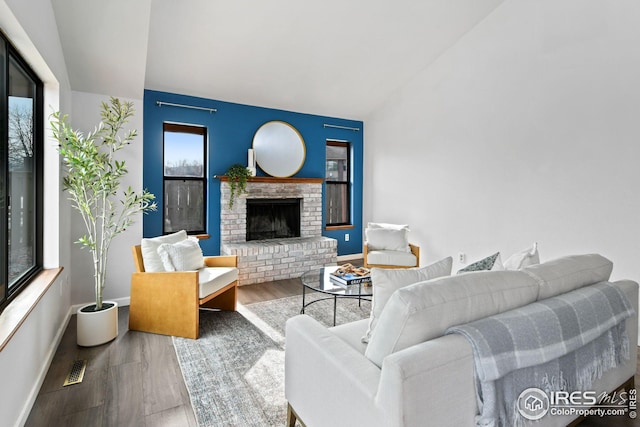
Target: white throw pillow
point(387, 225)
point(387, 239)
point(182, 256)
point(387, 281)
point(149, 248)
point(523, 258)
point(492, 262)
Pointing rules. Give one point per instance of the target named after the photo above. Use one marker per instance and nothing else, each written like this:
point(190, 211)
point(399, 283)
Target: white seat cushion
point(212, 279)
point(401, 259)
point(351, 333)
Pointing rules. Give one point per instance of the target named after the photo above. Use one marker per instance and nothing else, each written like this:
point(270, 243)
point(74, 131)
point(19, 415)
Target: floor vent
point(76, 373)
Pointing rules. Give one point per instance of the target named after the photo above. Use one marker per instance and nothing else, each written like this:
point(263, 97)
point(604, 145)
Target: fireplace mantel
point(276, 180)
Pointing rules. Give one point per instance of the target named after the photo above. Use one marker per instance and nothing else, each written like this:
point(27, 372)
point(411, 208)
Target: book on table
point(350, 279)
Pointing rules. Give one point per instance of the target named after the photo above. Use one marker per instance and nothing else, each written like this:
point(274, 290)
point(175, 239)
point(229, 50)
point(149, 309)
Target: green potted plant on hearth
point(92, 179)
point(237, 176)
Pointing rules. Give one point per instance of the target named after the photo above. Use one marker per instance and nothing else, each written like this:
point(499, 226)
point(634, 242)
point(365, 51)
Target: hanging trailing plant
point(237, 176)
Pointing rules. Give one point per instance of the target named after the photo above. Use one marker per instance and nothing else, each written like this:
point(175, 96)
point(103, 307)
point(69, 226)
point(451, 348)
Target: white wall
point(86, 116)
point(25, 360)
point(526, 130)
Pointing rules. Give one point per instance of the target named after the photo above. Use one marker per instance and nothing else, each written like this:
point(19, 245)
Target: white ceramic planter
point(97, 327)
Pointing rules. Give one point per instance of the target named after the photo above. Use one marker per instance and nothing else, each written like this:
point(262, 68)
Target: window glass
point(183, 154)
point(184, 205)
point(22, 196)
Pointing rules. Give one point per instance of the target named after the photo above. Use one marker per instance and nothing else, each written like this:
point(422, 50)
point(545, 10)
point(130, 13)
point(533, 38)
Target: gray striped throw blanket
point(561, 343)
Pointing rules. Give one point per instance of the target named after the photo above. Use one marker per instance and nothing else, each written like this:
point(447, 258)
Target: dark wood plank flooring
point(135, 380)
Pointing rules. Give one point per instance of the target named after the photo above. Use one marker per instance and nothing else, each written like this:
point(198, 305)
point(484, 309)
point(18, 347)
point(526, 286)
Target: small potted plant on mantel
point(92, 180)
point(237, 177)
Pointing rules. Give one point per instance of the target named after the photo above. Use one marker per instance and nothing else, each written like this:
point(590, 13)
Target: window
point(184, 178)
point(21, 149)
point(338, 184)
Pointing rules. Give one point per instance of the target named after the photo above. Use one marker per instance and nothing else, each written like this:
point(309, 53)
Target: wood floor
point(135, 380)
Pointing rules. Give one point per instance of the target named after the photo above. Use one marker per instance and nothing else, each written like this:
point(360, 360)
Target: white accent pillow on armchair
point(182, 256)
point(387, 239)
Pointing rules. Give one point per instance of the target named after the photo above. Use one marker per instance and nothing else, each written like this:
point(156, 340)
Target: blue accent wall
point(230, 134)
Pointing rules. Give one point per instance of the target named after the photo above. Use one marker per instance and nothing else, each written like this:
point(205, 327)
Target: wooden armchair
point(415, 250)
point(168, 303)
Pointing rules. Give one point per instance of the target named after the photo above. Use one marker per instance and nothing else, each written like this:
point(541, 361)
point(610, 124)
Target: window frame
point(346, 184)
point(9, 293)
point(192, 129)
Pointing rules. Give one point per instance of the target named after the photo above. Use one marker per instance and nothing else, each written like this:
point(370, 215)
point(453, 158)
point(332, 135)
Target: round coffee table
point(319, 281)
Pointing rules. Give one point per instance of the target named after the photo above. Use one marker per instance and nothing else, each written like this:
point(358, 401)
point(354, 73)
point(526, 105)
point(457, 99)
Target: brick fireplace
point(279, 258)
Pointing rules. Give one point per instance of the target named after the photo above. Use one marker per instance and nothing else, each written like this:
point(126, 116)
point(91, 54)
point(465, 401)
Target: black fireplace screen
point(273, 218)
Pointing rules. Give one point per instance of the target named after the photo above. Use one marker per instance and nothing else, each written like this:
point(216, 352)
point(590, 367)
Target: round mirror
point(279, 149)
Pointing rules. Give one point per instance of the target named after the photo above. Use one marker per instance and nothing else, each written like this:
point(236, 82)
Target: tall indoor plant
point(92, 178)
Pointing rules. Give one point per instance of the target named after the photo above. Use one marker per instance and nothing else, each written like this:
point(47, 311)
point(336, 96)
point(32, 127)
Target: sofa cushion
point(422, 311)
point(387, 281)
point(149, 248)
point(568, 273)
point(395, 258)
point(185, 255)
point(212, 279)
point(351, 333)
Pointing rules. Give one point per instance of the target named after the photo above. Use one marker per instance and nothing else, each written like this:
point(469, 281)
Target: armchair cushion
point(212, 279)
point(387, 281)
point(396, 258)
point(388, 239)
point(185, 255)
point(149, 247)
point(386, 225)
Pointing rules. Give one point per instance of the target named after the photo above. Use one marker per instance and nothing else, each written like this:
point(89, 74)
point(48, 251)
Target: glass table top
point(319, 280)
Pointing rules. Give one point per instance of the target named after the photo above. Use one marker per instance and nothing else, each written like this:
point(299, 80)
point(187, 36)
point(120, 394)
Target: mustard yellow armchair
point(168, 303)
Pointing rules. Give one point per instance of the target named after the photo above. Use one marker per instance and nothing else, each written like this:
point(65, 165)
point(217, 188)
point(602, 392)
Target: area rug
point(235, 371)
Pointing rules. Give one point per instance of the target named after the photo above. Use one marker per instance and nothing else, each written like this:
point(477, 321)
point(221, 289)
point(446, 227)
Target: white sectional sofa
point(410, 373)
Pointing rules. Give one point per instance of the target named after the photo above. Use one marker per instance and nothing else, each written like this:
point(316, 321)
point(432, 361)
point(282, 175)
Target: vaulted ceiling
point(339, 58)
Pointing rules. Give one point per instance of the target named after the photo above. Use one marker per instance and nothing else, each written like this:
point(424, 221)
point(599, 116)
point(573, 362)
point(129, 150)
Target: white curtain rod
point(170, 104)
point(341, 127)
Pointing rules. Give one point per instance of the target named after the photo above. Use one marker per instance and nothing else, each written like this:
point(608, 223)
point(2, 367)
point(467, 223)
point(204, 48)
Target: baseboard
point(349, 257)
